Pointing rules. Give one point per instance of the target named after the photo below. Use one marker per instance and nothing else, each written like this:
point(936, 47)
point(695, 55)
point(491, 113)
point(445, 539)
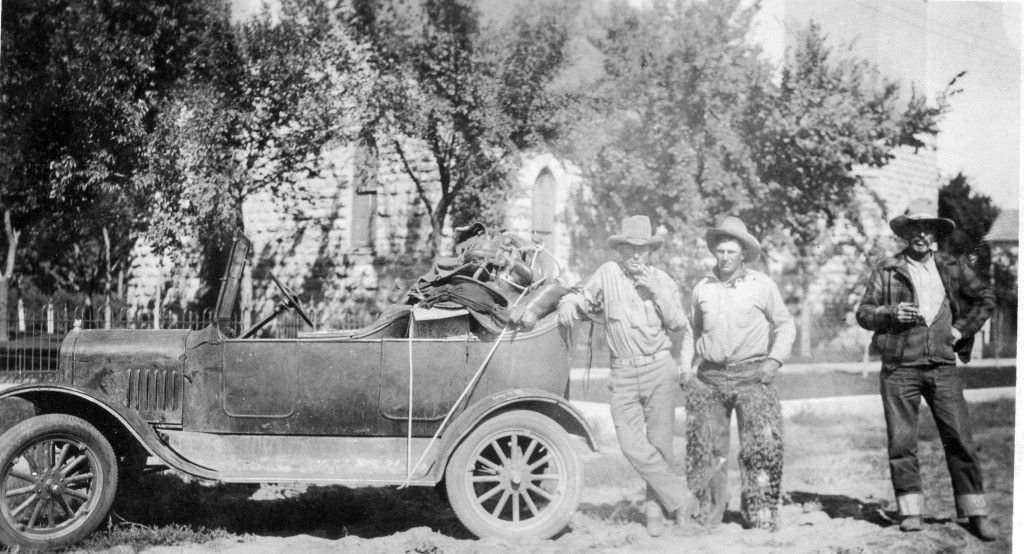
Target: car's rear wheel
point(58, 476)
point(516, 475)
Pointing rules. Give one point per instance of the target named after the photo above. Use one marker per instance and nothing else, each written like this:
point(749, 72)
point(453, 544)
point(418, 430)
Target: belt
point(639, 361)
point(736, 366)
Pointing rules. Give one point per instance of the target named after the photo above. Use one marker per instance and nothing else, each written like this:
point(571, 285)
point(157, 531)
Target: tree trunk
point(807, 272)
point(7, 275)
point(436, 228)
point(109, 273)
point(806, 324)
point(5, 285)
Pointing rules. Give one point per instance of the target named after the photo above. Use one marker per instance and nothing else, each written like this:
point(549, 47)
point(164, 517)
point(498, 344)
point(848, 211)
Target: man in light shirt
point(740, 333)
point(924, 307)
point(638, 304)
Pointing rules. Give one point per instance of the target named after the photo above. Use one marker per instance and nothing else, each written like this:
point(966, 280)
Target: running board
point(358, 461)
point(317, 479)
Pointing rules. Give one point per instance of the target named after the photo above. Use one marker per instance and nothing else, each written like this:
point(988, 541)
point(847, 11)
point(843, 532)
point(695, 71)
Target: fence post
point(49, 318)
point(21, 315)
point(107, 313)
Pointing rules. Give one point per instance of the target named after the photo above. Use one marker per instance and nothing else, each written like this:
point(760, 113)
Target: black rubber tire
point(546, 495)
point(66, 489)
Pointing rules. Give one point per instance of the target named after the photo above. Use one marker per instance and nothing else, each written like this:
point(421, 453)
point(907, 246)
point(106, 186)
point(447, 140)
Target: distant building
point(357, 244)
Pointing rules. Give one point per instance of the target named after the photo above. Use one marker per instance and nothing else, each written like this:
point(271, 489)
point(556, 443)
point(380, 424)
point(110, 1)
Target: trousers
point(643, 411)
point(942, 388)
point(709, 409)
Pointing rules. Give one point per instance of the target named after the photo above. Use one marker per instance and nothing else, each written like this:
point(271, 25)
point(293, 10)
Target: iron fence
point(31, 349)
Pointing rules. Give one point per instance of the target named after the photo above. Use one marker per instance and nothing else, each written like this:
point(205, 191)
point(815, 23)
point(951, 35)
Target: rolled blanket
point(541, 303)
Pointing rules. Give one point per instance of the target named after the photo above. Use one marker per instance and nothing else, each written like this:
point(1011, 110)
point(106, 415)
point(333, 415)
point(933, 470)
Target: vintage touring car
point(421, 397)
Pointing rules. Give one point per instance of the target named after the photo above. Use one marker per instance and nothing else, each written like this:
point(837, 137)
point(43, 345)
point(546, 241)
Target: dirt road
point(837, 500)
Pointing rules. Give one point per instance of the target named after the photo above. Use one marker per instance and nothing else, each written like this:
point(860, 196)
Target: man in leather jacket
point(924, 307)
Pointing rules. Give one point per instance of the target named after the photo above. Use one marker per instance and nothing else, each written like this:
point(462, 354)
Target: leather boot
point(655, 519)
point(983, 528)
point(685, 513)
point(911, 523)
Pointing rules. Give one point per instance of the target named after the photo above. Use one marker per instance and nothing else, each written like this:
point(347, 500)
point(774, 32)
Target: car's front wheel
point(516, 475)
point(58, 476)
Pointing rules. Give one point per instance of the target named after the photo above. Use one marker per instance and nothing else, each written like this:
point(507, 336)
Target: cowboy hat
point(636, 230)
point(732, 227)
point(921, 211)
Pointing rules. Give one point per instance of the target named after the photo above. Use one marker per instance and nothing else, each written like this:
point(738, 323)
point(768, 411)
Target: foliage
point(470, 92)
point(137, 538)
point(255, 119)
point(82, 83)
point(662, 135)
point(973, 214)
point(830, 114)
point(688, 125)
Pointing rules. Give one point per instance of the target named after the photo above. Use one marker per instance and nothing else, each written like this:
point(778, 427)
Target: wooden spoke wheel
point(58, 476)
point(517, 475)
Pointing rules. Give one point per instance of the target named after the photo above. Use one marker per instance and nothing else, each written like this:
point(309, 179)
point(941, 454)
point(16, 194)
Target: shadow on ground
point(330, 512)
point(841, 506)
point(834, 505)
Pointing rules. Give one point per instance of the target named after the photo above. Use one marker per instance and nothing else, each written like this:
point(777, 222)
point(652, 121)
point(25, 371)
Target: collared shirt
point(634, 321)
point(737, 320)
point(924, 277)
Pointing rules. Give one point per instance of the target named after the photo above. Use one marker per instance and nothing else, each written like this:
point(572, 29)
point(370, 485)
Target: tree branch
point(412, 175)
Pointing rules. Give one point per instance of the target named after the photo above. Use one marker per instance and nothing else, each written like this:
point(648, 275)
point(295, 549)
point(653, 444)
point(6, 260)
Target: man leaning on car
point(639, 304)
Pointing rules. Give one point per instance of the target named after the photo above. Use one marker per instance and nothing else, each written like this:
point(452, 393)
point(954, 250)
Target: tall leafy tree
point(81, 81)
point(469, 92)
point(255, 119)
point(830, 114)
point(973, 214)
point(661, 134)
point(691, 124)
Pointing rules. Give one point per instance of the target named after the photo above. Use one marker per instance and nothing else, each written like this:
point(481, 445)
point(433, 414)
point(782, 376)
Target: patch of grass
point(139, 537)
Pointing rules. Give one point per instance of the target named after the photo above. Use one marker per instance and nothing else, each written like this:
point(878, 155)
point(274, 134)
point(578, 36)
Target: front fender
point(549, 404)
point(58, 398)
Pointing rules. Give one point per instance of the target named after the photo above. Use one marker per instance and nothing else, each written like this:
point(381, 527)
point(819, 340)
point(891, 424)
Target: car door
point(439, 375)
point(301, 387)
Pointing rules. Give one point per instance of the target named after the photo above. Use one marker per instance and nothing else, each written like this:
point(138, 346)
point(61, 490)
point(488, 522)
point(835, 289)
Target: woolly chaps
point(759, 418)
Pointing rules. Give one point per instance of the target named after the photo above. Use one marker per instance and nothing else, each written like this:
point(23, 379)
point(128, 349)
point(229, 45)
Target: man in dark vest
point(925, 307)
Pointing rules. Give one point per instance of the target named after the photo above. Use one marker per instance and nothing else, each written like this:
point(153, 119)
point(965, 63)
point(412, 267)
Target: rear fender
point(114, 421)
point(543, 402)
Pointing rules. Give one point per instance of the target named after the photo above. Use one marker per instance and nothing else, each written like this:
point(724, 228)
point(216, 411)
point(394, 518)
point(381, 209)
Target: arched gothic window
point(544, 205)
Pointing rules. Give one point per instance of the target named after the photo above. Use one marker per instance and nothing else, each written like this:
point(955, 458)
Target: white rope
point(465, 391)
point(408, 448)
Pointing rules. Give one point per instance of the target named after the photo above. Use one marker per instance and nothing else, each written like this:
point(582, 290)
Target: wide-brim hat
point(732, 227)
point(921, 211)
point(636, 230)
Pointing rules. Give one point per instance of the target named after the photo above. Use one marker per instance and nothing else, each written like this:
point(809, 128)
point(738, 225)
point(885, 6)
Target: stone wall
point(310, 244)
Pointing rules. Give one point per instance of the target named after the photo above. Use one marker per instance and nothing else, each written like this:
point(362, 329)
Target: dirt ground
point(837, 500)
